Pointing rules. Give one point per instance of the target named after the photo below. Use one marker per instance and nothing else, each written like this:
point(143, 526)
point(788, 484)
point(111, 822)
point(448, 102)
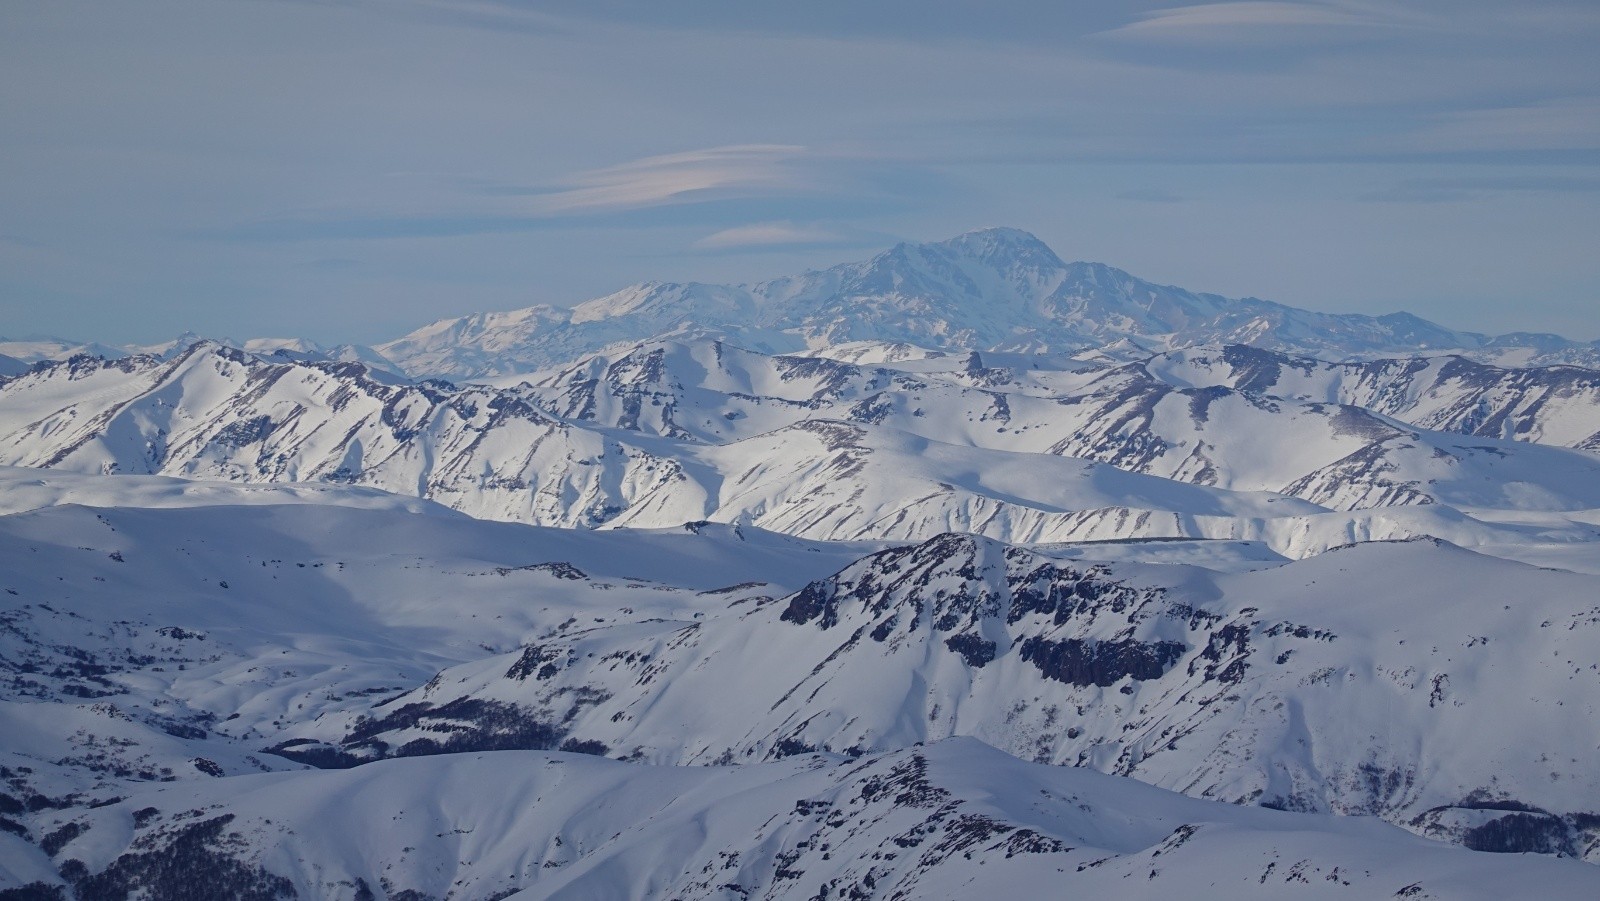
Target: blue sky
point(348, 170)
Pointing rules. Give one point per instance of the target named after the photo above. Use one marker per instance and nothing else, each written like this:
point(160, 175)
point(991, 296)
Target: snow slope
point(172, 669)
point(953, 820)
point(1548, 405)
point(223, 626)
point(958, 571)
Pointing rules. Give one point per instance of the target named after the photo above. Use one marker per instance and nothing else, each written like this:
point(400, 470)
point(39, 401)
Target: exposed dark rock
point(539, 661)
point(1104, 663)
point(976, 651)
point(814, 602)
point(34, 891)
point(317, 754)
point(184, 863)
point(60, 838)
point(1521, 833)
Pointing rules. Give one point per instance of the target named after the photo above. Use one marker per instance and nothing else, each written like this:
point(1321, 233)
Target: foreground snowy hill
point(993, 289)
point(953, 820)
point(147, 644)
point(1414, 681)
point(1448, 692)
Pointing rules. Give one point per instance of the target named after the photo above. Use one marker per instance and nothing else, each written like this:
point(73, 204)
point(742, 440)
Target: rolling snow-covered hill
point(170, 671)
point(205, 629)
point(954, 820)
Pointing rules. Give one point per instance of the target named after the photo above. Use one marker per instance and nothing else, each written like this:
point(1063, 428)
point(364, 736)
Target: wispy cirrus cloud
point(1250, 21)
point(712, 173)
point(719, 184)
point(768, 234)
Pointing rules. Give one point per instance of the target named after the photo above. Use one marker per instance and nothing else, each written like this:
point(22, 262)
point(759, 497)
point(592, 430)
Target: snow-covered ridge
point(672, 432)
point(1546, 404)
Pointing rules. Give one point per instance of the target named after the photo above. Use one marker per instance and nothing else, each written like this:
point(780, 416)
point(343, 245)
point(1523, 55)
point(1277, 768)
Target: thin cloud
point(1245, 22)
point(740, 170)
point(767, 234)
point(711, 187)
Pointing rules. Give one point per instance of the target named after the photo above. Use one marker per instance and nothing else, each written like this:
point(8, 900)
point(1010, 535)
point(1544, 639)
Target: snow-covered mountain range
point(958, 571)
point(991, 289)
point(671, 432)
point(994, 289)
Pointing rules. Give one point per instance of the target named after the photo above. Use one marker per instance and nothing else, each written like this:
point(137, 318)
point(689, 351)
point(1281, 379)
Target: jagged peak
point(945, 550)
